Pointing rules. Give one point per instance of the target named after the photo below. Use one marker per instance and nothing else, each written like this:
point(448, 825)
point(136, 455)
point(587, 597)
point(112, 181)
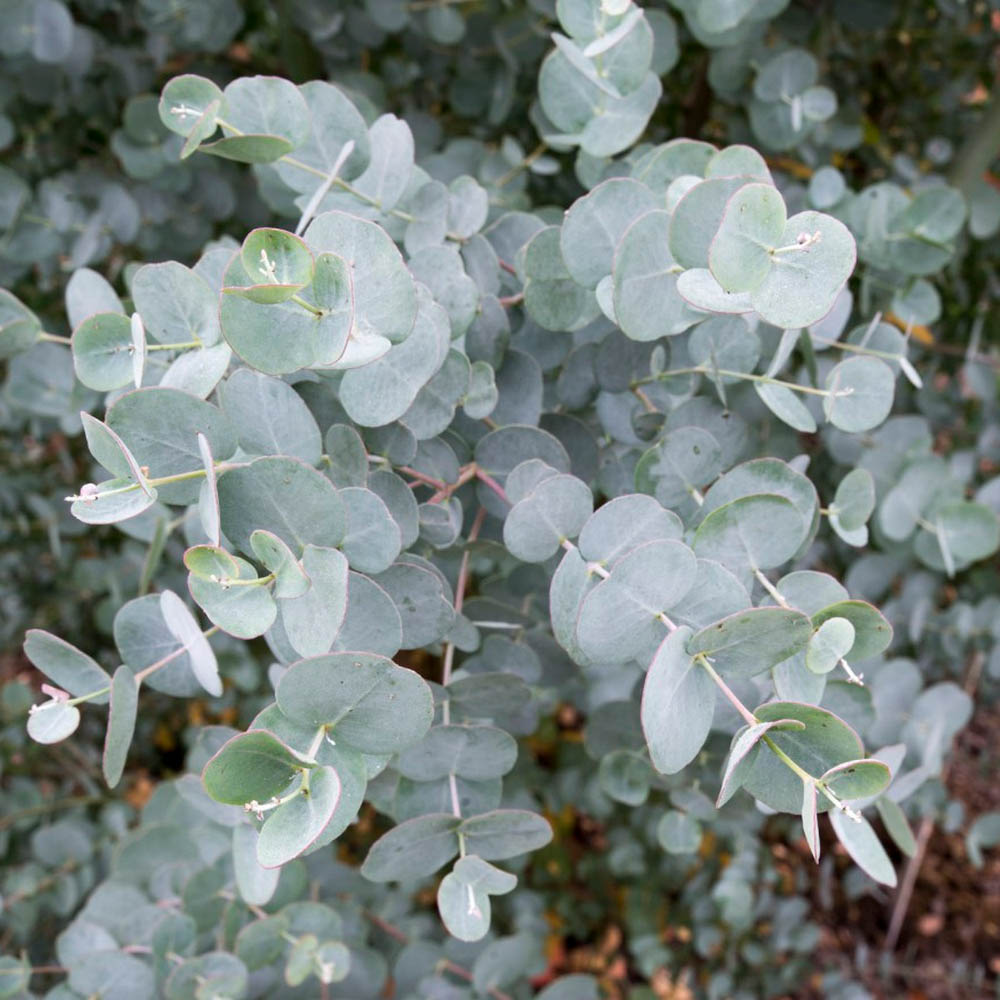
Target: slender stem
point(644, 399)
point(748, 717)
point(506, 178)
point(751, 720)
point(315, 310)
point(42, 884)
point(449, 648)
point(487, 480)
point(316, 743)
point(438, 484)
point(852, 676)
point(79, 700)
point(466, 473)
point(54, 338)
point(855, 348)
point(259, 581)
point(174, 347)
point(666, 621)
point(592, 567)
point(507, 301)
point(748, 376)
point(776, 595)
point(170, 657)
point(159, 481)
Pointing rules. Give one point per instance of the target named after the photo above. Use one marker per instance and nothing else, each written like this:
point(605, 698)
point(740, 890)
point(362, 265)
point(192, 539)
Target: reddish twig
point(487, 480)
point(438, 484)
point(466, 473)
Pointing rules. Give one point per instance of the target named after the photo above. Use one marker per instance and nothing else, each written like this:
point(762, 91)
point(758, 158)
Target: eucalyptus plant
point(418, 466)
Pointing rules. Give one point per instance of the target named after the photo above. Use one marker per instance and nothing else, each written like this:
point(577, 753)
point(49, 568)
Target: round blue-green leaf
point(184, 100)
point(571, 583)
point(284, 496)
point(306, 334)
point(254, 883)
point(293, 827)
point(623, 524)
point(176, 304)
point(678, 832)
point(858, 779)
point(645, 271)
point(161, 426)
point(617, 123)
point(741, 755)
point(786, 406)
point(862, 844)
point(724, 342)
point(678, 704)
point(701, 291)
point(425, 612)
point(381, 392)
point(19, 326)
point(552, 298)
point(253, 766)
point(829, 644)
point(860, 393)
point(239, 607)
point(65, 665)
point(142, 638)
point(814, 258)
point(185, 629)
point(618, 618)
point(53, 721)
point(413, 849)
point(825, 742)
point(121, 724)
point(854, 500)
point(596, 222)
point(872, 633)
point(371, 621)
point(696, 219)
point(278, 264)
point(679, 465)
point(785, 75)
point(463, 897)
point(716, 593)
point(270, 417)
point(505, 833)
point(752, 532)
point(312, 619)
point(740, 256)
point(113, 500)
point(112, 975)
point(366, 700)
point(267, 106)
point(752, 641)
point(967, 531)
point(335, 121)
point(290, 578)
point(556, 509)
point(385, 297)
point(373, 539)
point(476, 753)
point(102, 351)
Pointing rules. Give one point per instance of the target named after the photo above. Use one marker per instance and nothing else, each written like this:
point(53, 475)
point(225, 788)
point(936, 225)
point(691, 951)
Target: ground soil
point(949, 948)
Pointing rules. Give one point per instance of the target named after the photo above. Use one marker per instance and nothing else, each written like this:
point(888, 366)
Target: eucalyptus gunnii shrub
point(447, 464)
